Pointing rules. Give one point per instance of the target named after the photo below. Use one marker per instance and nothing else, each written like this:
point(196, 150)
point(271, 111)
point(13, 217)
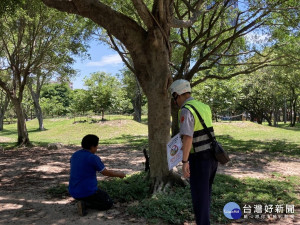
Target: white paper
point(174, 151)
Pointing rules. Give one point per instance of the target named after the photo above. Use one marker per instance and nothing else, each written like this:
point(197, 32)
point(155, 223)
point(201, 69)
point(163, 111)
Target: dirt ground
point(26, 174)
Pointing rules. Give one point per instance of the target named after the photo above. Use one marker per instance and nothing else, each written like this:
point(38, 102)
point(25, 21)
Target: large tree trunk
point(155, 86)
point(37, 107)
point(3, 108)
point(159, 135)
point(1, 121)
point(137, 105)
point(23, 138)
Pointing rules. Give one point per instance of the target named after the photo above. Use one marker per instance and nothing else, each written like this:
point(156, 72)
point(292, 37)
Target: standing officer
point(198, 161)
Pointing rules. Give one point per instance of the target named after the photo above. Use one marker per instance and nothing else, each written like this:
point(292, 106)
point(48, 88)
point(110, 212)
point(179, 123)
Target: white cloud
point(107, 60)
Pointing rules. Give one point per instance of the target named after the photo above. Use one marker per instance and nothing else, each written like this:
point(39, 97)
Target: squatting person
point(83, 179)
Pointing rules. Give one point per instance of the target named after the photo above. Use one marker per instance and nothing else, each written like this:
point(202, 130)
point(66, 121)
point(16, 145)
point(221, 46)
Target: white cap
point(180, 87)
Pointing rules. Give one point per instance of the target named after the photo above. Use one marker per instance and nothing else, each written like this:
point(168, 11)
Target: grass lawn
point(118, 130)
point(234, 136)
point(252, 137)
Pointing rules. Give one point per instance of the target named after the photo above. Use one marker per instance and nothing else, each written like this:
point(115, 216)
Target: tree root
point(163, 184)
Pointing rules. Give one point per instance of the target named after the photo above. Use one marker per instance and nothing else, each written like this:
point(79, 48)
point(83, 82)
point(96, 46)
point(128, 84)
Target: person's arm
point(186, 147)
point(186, 131)
point(112, 173)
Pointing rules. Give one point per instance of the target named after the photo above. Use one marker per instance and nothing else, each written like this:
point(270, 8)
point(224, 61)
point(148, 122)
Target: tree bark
point(275, 117)
point(102, 114)
point(1, 121)
point(38, 110)
point(3, 108)
point(23, 138)
point(155, 84)
point(216, 116)
point(159, 135)
point(265, 117)
point(137, 104)
point(293, 120)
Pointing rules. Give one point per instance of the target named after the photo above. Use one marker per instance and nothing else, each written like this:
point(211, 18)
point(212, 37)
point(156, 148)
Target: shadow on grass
point(144, 121)
point(288, 127)
point(137, 141)
point(6, 132)
point(274, 147)
point(251, 191)
point(8, 145)
point(13, 145)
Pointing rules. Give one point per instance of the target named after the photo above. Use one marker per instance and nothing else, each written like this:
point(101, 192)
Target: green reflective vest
point(201, 141)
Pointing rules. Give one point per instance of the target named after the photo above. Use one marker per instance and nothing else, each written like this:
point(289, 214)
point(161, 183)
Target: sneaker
point(81, 208)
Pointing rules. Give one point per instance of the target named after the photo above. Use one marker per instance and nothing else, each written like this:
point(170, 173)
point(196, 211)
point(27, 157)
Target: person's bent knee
point(109, 204)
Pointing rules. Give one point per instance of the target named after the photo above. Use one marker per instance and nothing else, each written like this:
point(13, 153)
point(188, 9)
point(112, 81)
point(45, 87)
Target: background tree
point(35, 40)
point(81, 102)
point(290, 81)
point(9, 6)
point(56, 98)
point(256, 96)
point(134, 93)
point(147, 33)
point(219, 95)
point(104, 90)
point(27, 105)
point(56, 63)
point(287, 43)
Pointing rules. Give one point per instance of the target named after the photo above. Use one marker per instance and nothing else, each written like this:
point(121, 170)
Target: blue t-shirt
point(83, 178)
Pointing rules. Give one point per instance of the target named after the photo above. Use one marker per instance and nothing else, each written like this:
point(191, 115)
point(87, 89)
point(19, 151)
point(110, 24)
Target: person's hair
point(89, 141)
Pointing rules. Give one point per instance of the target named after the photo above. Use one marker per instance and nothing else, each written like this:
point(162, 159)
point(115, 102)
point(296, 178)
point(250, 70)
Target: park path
point(26, 174)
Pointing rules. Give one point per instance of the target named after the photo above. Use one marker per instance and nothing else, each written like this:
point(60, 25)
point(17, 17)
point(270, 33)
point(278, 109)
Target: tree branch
point(143, 12)
point(120, 26)
point(176, 23)
point(246, 71)
point(116, 48)
point(4, 87)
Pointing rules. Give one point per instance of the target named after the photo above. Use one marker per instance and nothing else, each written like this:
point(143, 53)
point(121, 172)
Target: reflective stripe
point(203, 137)
point(202, 148)
point(201, 141)
point(202, 132)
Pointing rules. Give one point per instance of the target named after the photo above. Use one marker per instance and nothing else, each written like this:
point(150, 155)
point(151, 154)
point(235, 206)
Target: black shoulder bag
point(218, 151)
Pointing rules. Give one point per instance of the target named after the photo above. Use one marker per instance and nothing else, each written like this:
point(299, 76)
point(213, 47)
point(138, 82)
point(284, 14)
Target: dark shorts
point(100, 200)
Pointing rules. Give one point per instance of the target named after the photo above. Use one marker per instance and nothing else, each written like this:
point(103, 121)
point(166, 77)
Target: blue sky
point(102, 58)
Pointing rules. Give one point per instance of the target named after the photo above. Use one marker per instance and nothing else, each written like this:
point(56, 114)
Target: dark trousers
point(100, 200)
point(203, 168)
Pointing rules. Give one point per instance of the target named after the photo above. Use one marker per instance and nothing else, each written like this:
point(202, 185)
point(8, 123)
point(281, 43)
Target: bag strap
point(201, 121)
